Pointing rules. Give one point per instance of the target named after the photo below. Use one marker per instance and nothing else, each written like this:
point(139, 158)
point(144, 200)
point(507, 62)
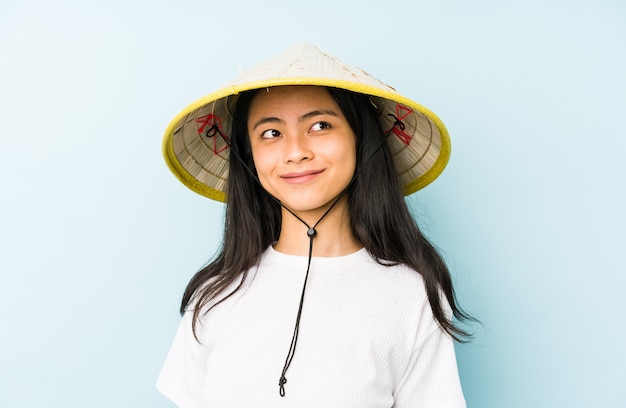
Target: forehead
point(291, 99)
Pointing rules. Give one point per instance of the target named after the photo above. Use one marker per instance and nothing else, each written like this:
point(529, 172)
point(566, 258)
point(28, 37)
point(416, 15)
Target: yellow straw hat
point(192, 150)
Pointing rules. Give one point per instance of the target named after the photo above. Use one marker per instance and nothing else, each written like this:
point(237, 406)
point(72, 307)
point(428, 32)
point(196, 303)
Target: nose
point(297, 149)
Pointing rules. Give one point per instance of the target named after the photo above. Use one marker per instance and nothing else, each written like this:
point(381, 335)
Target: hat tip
point(303, 45)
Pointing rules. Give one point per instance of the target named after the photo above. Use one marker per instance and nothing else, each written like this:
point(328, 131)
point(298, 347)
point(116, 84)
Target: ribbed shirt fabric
point(367, 340)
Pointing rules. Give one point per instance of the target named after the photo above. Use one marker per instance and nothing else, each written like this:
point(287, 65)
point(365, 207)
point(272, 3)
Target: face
point(303, 147)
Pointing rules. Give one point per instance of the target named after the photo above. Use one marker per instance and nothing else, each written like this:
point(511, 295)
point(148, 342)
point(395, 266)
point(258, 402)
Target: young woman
point(324, 293)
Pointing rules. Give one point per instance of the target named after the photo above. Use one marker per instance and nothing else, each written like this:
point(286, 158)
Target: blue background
point(98, 239)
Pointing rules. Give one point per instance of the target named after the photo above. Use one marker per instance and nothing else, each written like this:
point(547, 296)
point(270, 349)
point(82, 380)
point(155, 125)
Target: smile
point(294, 178)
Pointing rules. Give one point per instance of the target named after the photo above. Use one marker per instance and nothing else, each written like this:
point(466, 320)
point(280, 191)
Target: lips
point(300, 177)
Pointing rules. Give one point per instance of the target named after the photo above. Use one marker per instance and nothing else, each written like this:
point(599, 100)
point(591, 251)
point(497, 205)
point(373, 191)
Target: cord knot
point(281, 383)
point(397, 122)
point(212, 131)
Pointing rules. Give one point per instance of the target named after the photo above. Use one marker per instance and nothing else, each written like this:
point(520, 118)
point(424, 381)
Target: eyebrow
point(273, 119)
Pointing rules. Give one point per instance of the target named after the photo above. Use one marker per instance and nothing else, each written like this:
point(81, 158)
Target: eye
point(270, 134)
point(320, 126)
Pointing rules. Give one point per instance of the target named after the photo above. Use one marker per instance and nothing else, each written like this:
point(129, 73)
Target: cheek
point(262, 162)
point(345, 153)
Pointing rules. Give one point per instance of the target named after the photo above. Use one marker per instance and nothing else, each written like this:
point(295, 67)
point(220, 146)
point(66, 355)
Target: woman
point(325, 293)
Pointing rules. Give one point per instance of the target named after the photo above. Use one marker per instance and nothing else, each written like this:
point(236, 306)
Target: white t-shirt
point(367, 340)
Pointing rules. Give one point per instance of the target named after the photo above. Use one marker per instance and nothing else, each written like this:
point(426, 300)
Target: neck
point(334, 233)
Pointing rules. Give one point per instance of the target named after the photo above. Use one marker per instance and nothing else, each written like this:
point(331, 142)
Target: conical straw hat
point(199, 158)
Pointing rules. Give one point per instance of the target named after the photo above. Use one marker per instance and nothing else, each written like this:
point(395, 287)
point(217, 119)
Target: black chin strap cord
point(311, 233)
point(296, 330)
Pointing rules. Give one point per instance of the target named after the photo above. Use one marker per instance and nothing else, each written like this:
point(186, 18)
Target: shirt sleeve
point(182, 372)
point(431, 379)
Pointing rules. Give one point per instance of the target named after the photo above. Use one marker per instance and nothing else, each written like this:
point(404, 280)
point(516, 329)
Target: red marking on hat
point(402, 112)
point(215, 124)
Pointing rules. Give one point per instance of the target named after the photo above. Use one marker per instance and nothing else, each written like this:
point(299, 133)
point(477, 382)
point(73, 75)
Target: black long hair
point(379, 217)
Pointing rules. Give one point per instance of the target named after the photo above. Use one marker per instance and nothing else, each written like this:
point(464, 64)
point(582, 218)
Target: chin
point(308, 203)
